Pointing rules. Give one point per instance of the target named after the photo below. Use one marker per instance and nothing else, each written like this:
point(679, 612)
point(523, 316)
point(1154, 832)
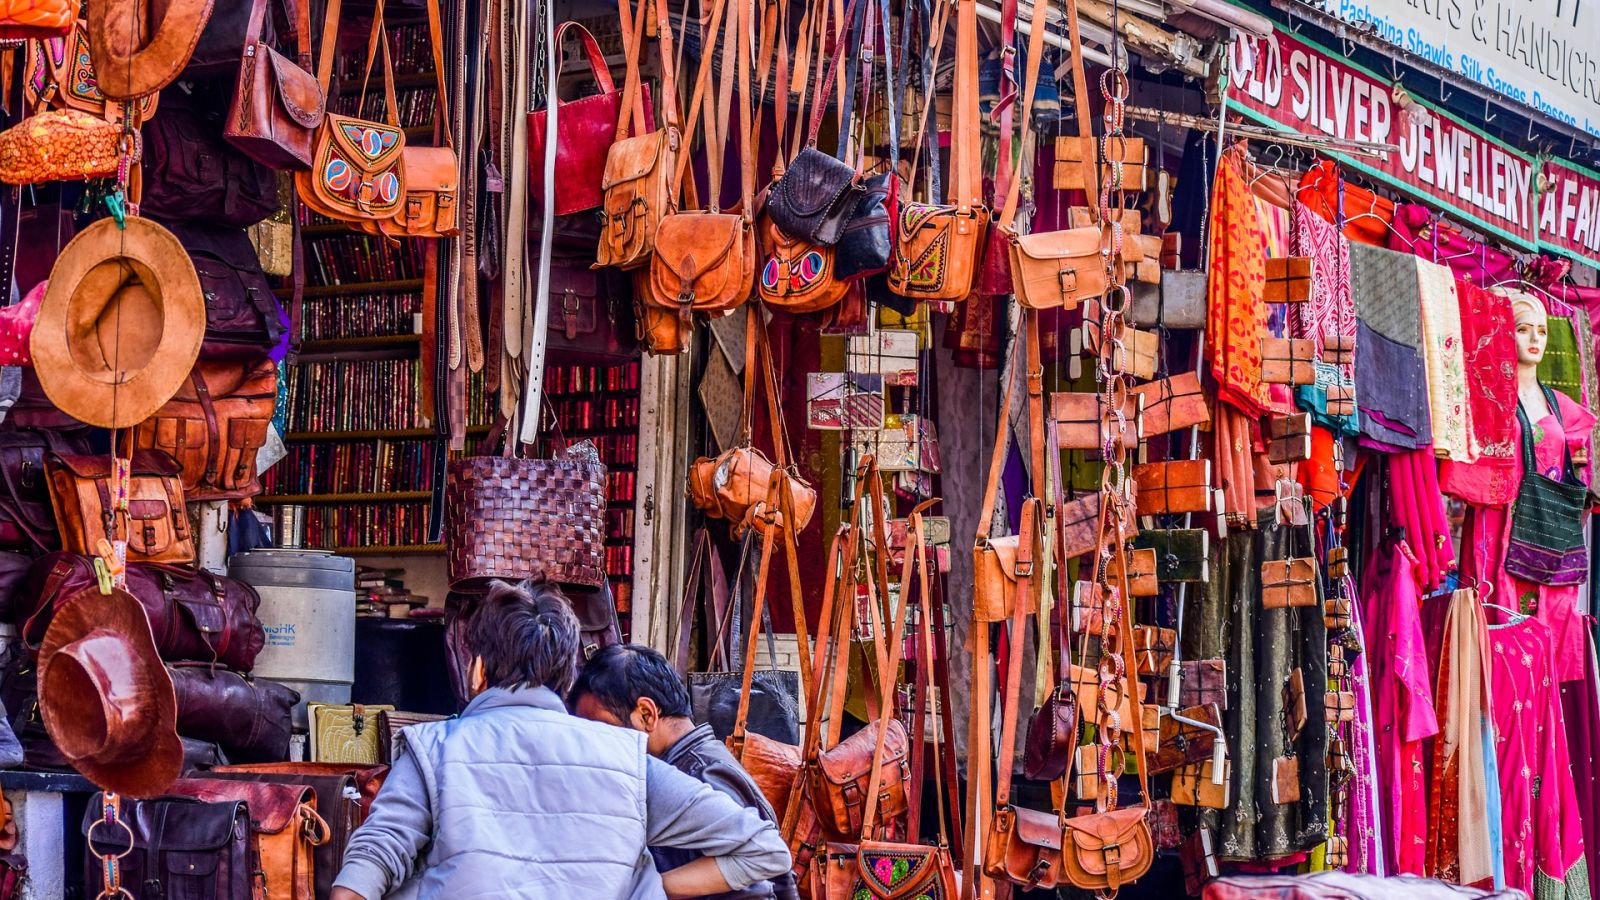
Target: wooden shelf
point(394, 550)
point(380, 497)
point(375, 85)
point(360, 287)
point(378, 434)
point(331, 345)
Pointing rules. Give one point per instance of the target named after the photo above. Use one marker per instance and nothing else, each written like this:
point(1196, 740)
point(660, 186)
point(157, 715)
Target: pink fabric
point(1417, 506)
point(1488, 334)
point(1488, 532)
point(1416, 231)
point(1540, 828)
point(1402, 694)
point(16, 327)
point(1362, 820)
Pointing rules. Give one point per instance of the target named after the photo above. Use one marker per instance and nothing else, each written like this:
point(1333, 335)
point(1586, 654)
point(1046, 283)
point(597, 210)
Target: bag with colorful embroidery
point(798, 276)
point(356, 172)
point(875, 870)
point(61, 76)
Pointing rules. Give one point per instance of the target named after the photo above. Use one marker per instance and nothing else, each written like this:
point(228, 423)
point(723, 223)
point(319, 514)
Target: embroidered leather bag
point(1547, 545)
point(428, 209)
point(61, 75)
point(356, 173)
point(800, 276)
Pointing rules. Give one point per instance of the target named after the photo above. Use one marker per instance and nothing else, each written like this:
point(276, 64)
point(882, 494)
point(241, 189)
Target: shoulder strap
point(966, 165)
point(1011, 704)
point(436, 39)
point(630, 112)
point(329, 45)
point(1037, 25)
point(714, 136)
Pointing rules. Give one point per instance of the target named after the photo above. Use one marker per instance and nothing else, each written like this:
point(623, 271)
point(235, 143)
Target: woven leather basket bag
point(515, 518)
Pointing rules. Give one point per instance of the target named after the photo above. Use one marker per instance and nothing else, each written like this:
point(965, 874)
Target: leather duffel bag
point(285, 830)
point(180, 847)
point(249, 718)
point(194, 614)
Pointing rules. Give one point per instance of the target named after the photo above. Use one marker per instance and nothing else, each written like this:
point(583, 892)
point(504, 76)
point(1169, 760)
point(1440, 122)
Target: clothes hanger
point(1484, 589)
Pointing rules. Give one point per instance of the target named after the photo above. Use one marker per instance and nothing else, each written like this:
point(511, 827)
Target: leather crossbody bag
point(60, 75)
point(639, 185)
point(432, 174)
point(278, 103)
point(356, 172)
point(1547, 545)
point(938, 247)
point(285, 830)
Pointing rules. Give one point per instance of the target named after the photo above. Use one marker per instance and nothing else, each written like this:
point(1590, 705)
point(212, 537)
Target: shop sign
point(1291, 83)
point(1569, 211)
point(1540, 54)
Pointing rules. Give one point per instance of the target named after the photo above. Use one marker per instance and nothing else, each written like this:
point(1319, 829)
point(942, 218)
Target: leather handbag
point(867, 242)
point(1182, 554)
point(1547, 545)
point(1288, 360)
point(817, 195)
point(1172, 404)
point(840, 793)
point(1177, 486)
point(60, 75)
point(249, 718)
point(356, 172)
point(1076, 155)
point(277, 102)
point(639, 184)
point(285, 831)
point(1289, 582)
point(36, 18)
point(27, 522)
point(1052, 735)
point(432, 174)
point(1001, 564)
point(586, 128)
point(1176, 303)
point(155, 524)
point(244, 320)
point(938, 248)
point(180, 847)
point(191, 175)
point(589, 322)
point(194, 614)
point(737, 486)
point(516, 518)
point(799, 276)
point(215, 427)
point(344, 796)
point(879, 870)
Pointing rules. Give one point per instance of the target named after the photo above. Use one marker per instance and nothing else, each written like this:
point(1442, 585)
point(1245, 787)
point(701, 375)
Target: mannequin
point(1533, 333)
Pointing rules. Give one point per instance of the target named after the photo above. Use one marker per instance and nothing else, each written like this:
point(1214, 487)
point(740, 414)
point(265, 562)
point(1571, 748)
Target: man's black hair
point(620, 674)
point(526, 635)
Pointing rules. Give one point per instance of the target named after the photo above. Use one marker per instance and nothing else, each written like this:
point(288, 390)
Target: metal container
point(308, 608)
point(289, 526)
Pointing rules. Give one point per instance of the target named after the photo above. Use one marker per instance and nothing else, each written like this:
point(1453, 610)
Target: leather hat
point(121, 323)
point(134, 55)
point(105, 697)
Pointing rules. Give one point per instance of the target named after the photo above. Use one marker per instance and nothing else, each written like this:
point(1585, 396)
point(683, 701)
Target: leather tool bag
point(244, 320)
point(214, 426)
point(586, 129)
point(27, 522)
point(939, 247)
point(285, 830)
point(194, 614)
point(156, 524)
point(639, 186)
point(432, 174)
point(250, 718)
point(1176, 486)
point(192, 175)
point(1171, 404)
point(277, 103)
point(344, 795)
point(181, 847)
point(356, 173)
point(517, 518)
point(800, 276)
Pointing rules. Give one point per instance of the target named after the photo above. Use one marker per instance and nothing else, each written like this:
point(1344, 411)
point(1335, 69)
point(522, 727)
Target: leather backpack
point(639, 185)
point(285, 830)
point(277, 102)
point(156, 525)
point(192, 175)
point(214, 426)
point(244, 321)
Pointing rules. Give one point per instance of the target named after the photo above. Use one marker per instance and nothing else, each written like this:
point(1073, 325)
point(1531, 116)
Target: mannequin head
point(1532, 327)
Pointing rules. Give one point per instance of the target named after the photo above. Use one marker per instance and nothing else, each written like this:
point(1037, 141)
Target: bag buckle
point(1068, 279)
point(1112, 854)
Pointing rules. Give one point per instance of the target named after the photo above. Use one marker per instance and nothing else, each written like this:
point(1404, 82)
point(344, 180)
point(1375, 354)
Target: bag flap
point(896, 871)
point(298, 92)
point(368, 146)
point(634, 158)
point(1038, 829)
point(272, 806)
point(851, 759)
point(688, 245)
point(431, 169)
point(920, 215)
point(185, 825)
point(813, 183)
point(1070, 243)
point(144, 510)
point(1005, 550)
point(1123, 829)
point(82, 465)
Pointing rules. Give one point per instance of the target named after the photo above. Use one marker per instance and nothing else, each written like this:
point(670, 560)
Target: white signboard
point(1542, 54)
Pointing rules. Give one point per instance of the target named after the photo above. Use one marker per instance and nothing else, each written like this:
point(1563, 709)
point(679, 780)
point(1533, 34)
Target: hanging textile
point(1489, 352)
point(1363, 817)
point(1543, 838)
point(1417, 230)
point(1391, 378)
point(1366, 217)
point(1580, 706)
point(1236, 316)
point(1561, 368)
point(1416, 507)
point(1442, 354)
point(1461, 848)
point(1402, 697)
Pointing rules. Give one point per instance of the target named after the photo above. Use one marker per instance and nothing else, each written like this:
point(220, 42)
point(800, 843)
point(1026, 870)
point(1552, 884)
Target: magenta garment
point(1362, 825)
point(1488, 532)
point(1402, 697)
point(1581, 708)
point(1541, 832)
point(1417, 506)
point(1469, 259)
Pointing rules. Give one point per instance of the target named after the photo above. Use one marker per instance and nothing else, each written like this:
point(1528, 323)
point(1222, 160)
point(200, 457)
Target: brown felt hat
point(106, 699)
point(121, 323)
point(135, 56)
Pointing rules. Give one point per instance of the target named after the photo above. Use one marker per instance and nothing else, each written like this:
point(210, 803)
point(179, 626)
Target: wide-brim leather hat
point(105, 697)
point(121, 323)
point(135, 56)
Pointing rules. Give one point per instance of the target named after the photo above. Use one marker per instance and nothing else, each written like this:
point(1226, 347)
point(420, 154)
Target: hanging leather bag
point(215, 426)
point(191, 175)
point(245, 322)
point(60, 75)
point(285, 830)
point(1547, 545)
point(277, 103)
point(432, 174)
point(639, 186)
point(180, 847)
point(156, 525)
point(27, 522)
point(356, 173)
point(251, 719)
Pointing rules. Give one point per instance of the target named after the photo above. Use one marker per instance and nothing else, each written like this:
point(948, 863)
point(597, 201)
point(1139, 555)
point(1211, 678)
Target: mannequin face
point(1532, 334)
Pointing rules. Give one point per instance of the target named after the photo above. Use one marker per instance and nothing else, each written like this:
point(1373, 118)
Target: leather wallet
point(1288, 361)
point(1289, 582)
point(1171, 404)
point(1289, 438)
point(1083, 420)
point(1182, 554)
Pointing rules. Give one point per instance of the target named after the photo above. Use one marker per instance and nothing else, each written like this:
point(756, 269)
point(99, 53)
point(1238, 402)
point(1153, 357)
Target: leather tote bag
point(586, 129)
point(277, 102)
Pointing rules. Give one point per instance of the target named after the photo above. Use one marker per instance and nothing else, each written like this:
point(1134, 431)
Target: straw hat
point(121, 323)
point(106, 699)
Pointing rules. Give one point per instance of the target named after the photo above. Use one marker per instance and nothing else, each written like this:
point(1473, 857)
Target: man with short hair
point(517, 798)
point(633, 686)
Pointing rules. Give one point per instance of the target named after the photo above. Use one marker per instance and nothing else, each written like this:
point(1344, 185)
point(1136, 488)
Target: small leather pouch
point(1289, 582)
point(1195, 784)
point(1153, 648)
point(1294, 703)
point(1288, 361)
point(1076, 155)
point(1340, 706)
point(1286, 780)
point(1183, 743)
point(1170, 404)
point(1083, 419)
point(1288, 279)
point(1141, 573)
point(1080, 525)
point(1178, 486)
point(1339, 349)
point(1338, 563)
point(1182, 554)
point(1335, 615)
point(1289, 438)
point(1341, 400)
point(1198, 856)
point(1204, 681)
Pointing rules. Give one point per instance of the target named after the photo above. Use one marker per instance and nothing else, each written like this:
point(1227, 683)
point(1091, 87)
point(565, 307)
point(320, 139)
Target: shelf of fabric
point(380, 497)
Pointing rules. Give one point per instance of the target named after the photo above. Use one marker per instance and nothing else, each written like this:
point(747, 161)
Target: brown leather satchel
point(285, 831)
point(214, 427)
point(1171, 404)
point(1000, 563)
point(639, 187)
point(278, 103)
point(1288, 360)
point(938, 248)
point(1176, 486)
point(156, 525)
point(1289, 582)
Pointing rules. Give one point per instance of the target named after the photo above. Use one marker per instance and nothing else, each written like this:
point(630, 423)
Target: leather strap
point(966, 165)
point(705, 568)
point(630, 113)
point(715, 147)
point(378, 45)
point(1037, 25)
point(936, 25)
point(1080, 100)
point(1027, 561)
point(436, 41)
